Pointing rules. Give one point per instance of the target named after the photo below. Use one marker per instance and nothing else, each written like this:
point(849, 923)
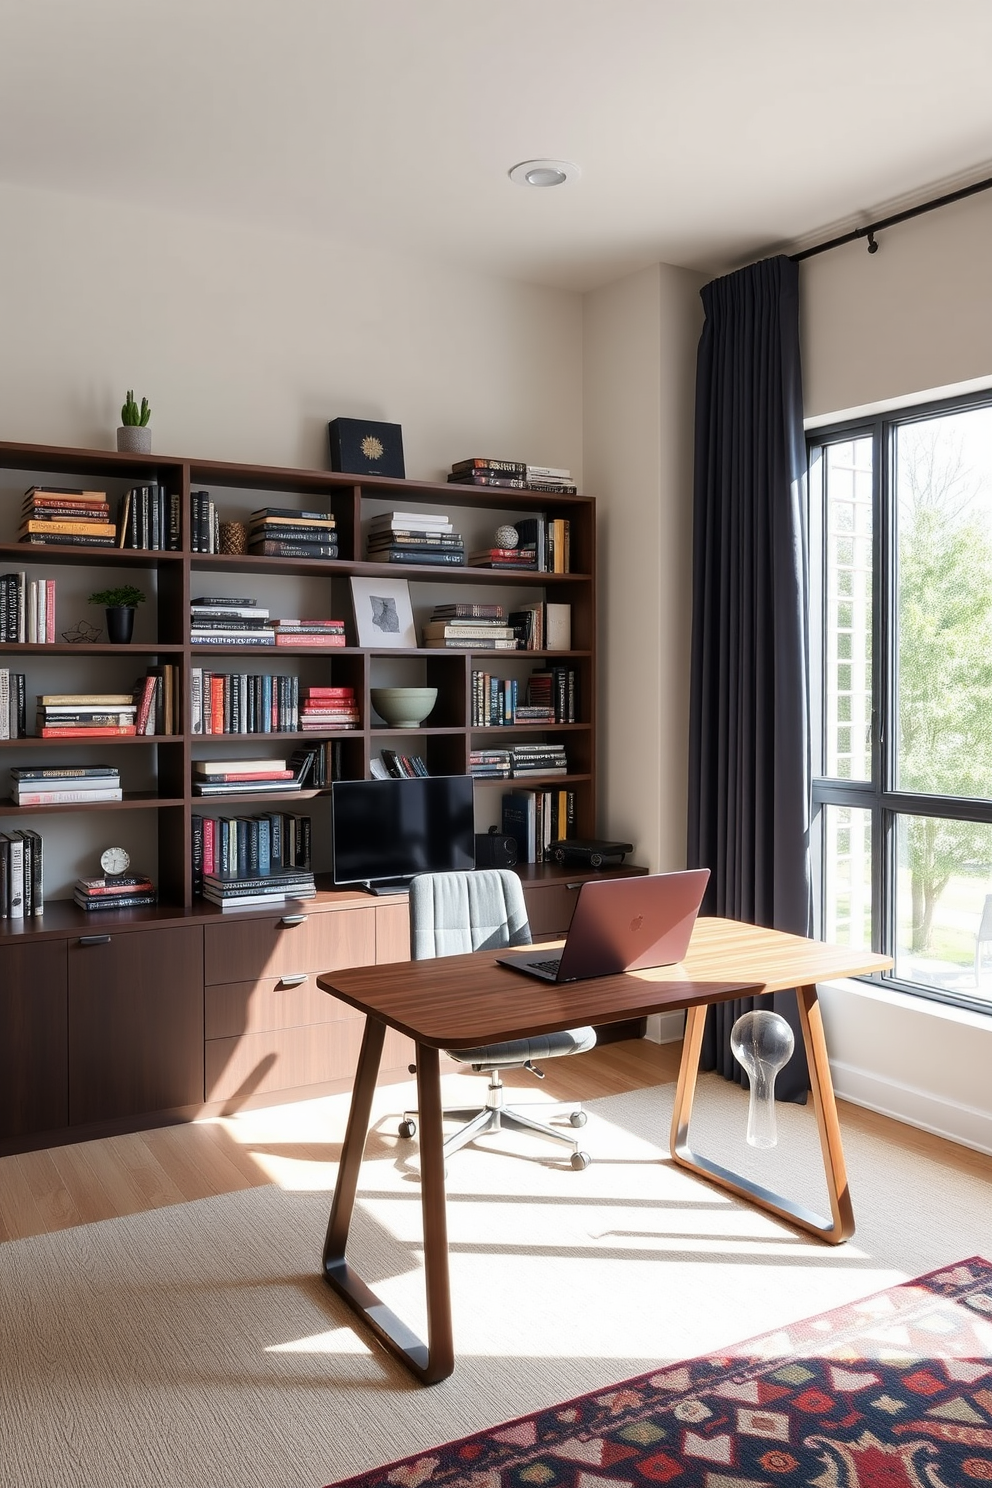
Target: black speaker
point(495, 851)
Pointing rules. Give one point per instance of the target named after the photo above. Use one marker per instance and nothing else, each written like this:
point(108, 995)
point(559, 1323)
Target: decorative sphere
point(507, 536)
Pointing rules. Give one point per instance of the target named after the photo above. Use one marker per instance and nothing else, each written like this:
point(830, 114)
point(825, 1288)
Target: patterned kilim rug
point(891, 1392)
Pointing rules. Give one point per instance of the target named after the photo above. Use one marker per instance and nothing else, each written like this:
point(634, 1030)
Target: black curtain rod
point(869, 232)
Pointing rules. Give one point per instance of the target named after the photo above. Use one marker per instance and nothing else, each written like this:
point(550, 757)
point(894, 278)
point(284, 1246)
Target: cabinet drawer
point(235, 1008)
point(282, 1059)
point(320, 941)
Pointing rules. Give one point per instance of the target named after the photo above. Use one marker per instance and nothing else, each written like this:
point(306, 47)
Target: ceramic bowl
point(403, 707)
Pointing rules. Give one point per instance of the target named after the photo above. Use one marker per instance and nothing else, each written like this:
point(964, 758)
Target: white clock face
point(114, 860)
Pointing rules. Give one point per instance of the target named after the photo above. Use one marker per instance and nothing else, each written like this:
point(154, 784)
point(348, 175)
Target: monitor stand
point(387, 886)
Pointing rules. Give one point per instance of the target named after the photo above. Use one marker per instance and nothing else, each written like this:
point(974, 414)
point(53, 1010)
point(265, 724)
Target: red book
point(145, 703)
point(50, 611)
point(310, 640)
point(330, 692)
point(209, 844)
point(216, 705)
point(249, 775)
point(86, 733)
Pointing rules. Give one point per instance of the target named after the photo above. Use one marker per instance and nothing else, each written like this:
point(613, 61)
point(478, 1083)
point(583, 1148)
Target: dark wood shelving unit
point(196, 1055)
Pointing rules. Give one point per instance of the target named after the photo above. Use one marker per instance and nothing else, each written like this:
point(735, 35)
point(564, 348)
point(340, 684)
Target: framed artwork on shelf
point(383, 613)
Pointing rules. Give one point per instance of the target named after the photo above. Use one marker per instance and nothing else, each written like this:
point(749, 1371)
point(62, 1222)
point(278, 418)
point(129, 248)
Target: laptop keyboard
point(551, 965)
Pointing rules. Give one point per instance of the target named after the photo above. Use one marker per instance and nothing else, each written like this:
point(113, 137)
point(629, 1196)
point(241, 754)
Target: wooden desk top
point(460, 1001)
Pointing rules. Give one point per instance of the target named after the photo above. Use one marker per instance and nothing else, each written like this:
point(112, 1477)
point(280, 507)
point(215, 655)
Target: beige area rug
point(197, 1347)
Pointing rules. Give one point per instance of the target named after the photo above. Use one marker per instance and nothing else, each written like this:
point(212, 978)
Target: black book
point(481, 462)
point(112, 901)
point(425, 556)
point(67, 539)
point(289, 511)
point(280, 548)
point(224, 601)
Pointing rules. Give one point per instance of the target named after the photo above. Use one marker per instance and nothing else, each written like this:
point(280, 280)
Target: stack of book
point(494, 700)
point(285, 532)
point(551, 478)
point(536, 819)
point(85, 715)
point(490, 764)
point(31, 785)
point(518, 557)
point(228, 847)
point(13, 704)
point(242, 777)
point(397, 766)
point(129, 891)
point(543, 626)
point(148, 517)
point(204, 523)
point(309, 632)
point(247, 892)
point(555, 689)
point(222, 620)
point(326, 708)
point(539, 759)
point(66, 514)
point(469, 627)
point(156, 696)
point(243, 702)
point(27, 609)
point(21, 874)
point(482, 471)
point(414, 537)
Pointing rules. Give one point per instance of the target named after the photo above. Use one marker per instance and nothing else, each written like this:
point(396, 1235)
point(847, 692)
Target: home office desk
point(461, 1001)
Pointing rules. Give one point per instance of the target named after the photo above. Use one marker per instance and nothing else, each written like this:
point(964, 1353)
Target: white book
point(196, 700)
point(32, 633)
point(65, 797)
point(22, 594)
point(243, 612)
point(15, 878)
point(549, 472)
point(237, 767)
point(433, 521)
point(557, 627)
point(4, 703)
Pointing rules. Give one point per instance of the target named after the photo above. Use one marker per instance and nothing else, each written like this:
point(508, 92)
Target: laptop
point(621, 924)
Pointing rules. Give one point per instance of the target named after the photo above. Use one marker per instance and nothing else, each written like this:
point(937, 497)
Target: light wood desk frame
point(462, 1001)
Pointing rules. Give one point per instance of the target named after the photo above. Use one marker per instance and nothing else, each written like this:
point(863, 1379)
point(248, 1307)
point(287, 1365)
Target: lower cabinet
point(33, 1038)
point(135, 1040)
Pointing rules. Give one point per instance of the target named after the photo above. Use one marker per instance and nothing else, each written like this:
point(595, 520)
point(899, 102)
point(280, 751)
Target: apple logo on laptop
point(636, 924)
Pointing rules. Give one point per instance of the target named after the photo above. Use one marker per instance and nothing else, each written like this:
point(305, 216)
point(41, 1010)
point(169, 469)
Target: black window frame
point(884, 804)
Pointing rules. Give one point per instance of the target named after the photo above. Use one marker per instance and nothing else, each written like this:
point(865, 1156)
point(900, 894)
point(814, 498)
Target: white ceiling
point(707, 131)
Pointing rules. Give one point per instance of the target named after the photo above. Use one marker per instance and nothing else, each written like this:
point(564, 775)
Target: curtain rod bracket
point(872, 245)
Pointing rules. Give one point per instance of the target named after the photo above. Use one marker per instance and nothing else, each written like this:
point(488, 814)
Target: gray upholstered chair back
point(451, 913)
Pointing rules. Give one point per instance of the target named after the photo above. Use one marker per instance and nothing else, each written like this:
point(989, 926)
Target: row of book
point(518, 760)
point(148, 518)
point(413, 537)
point(266, 703)
point(537, 819)
point(79, 785)
point(21, 874)
point(284, 532)
point(393, 766)
point(245, 861)
point(150, 708)
point(482, 470)
point(66, 515)
point(238, 620)
point(13, 704)
point(551, 696)
point(27, 610)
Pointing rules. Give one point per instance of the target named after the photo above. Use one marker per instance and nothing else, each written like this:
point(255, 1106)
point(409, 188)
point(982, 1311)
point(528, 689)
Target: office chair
point(479, 910)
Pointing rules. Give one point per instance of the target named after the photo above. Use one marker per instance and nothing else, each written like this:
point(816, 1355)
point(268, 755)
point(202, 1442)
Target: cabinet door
point(33, 1067)
point(135, 1023)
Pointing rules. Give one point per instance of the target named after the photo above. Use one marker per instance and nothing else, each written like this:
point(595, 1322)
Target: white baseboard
point(933, 1113)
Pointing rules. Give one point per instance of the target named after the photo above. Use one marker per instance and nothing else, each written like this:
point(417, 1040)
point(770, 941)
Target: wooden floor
point(41, 1192)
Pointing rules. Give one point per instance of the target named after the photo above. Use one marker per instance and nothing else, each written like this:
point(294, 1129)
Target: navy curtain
point(749, 706)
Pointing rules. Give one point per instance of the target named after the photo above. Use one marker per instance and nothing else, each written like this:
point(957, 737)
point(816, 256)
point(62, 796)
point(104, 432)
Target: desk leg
point(840, 1226)
point(434, 1360)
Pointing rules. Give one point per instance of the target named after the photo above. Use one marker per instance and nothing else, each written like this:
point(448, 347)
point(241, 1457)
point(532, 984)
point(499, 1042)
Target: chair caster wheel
point(407, 1128)
point(580, 1160)
point(578, 1118)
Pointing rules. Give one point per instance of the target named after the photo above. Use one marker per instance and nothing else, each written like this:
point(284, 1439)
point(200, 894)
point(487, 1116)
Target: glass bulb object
point(763, 1043)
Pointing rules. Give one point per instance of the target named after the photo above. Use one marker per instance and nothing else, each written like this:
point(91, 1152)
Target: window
point(902, 680)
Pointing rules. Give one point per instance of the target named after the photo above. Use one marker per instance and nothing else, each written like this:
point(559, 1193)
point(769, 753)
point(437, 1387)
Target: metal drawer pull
point(293, 981)
point(94, 940)
point(295, 919)
point(573, 886)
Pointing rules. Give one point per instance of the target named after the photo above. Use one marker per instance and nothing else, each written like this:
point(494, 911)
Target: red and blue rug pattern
point(891, 1392)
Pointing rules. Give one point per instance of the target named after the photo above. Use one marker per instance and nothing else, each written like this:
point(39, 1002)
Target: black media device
point(383, 832)
point(493, 850)
point(593, 854)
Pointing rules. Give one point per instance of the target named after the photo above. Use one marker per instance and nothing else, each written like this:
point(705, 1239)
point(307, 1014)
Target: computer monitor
point(383, 832)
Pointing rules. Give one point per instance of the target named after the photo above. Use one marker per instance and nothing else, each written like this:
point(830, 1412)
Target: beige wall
point(246, 342)
point(898, 324)
point(639, 362)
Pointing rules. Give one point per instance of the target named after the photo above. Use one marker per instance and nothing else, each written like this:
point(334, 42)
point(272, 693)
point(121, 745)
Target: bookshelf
point(153, 821)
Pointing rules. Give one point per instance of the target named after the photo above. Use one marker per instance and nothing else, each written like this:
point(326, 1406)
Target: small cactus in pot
point(134, 435)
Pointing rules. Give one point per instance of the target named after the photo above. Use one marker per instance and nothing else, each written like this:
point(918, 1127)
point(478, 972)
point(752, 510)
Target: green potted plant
point(134, 436)
point(120, 604)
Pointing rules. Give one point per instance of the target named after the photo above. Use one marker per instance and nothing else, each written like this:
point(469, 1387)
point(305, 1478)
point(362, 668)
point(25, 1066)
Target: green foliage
point(132, 415)
point(126, 596)
point(944, 664)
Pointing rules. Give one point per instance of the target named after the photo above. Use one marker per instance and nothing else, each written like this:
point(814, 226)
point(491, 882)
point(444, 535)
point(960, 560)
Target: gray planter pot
point(132, 439)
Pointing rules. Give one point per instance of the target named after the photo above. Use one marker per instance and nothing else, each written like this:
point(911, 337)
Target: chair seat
point(518, 1051)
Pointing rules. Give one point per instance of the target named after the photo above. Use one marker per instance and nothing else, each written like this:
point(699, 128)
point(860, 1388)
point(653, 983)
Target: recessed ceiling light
point(543, 172)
